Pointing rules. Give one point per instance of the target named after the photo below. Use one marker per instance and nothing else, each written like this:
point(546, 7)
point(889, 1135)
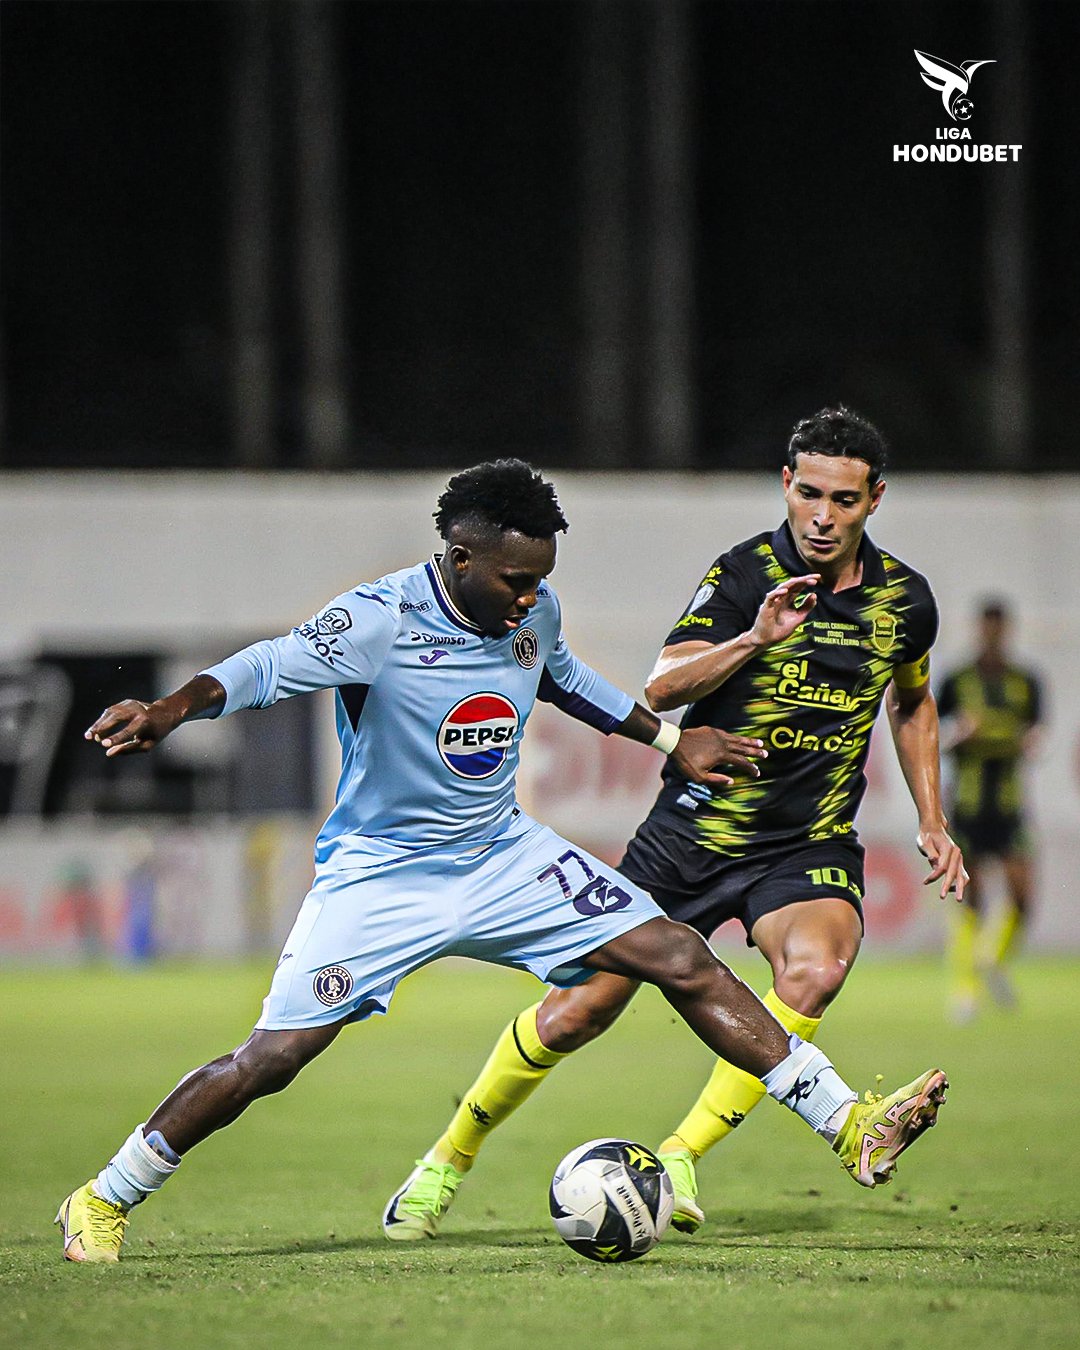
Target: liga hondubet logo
point(953, 144)
point(476, 734)
point(951, 82)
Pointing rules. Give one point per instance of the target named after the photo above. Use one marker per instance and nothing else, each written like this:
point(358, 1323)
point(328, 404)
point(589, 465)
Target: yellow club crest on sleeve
point(883, 633)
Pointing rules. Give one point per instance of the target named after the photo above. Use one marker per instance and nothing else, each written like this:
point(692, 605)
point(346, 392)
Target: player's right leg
point(384, 916)
point(94, 1217)
point(523, 1056)
point(811, 945)
point(734, 1024)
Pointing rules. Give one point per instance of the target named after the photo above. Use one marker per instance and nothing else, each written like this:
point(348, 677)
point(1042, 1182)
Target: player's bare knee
point(810, 983)
point(267, 1065)
point(690, 968)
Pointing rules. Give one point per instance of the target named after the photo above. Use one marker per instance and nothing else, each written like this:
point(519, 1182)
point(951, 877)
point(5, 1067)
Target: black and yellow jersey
point(1003, 705)
point(813, 699)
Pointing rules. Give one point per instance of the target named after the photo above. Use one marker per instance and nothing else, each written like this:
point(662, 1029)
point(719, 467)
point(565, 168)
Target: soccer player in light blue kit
point(426, 852)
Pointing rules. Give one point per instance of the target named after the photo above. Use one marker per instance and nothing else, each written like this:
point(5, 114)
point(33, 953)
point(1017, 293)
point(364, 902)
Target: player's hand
point(784, 608)
point(132, 726)
point(703, 749)
point(946, 861)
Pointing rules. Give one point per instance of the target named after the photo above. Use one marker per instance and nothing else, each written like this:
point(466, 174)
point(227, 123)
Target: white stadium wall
point(196, 565)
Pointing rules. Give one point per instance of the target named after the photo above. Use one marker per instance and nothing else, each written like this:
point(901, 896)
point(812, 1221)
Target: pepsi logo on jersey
point(476, 734)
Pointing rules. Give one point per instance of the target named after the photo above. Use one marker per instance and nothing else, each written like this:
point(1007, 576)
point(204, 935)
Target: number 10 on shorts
point(833, 876)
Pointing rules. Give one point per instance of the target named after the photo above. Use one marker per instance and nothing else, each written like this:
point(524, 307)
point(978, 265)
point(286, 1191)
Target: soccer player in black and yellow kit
point(992, 709)
point(794, 637)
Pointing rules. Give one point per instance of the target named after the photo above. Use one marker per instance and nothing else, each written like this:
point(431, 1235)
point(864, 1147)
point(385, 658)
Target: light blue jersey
point(426, 853)
point(430, 710)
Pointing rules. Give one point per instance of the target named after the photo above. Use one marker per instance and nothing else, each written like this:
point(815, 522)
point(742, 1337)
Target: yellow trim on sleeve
point(913, 674)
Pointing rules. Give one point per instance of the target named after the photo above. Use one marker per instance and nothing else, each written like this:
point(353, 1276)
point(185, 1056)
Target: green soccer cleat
point(417, 1209)
point(878, 1130)
point(687, 1216)
point(93, 1227)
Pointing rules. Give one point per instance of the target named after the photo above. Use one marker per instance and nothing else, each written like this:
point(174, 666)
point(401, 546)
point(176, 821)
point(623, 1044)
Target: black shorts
point(989, 834)
point(746, 888)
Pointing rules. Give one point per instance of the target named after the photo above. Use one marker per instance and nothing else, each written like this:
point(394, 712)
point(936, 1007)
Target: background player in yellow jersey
point(795, 637)
point(993, 708)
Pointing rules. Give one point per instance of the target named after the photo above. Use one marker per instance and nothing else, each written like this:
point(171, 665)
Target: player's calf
point(567, 1019)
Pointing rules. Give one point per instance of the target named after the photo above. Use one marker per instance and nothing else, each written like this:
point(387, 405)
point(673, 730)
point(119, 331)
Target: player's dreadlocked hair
point(839, 431)
point(507, 494)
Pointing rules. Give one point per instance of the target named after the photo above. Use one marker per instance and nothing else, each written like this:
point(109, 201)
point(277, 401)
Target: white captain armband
point(667, 738)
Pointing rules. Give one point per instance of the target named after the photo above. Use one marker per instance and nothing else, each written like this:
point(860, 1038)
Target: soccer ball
point(611, 1200)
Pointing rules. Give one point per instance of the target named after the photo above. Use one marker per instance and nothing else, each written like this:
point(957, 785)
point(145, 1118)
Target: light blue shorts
point(533, 902)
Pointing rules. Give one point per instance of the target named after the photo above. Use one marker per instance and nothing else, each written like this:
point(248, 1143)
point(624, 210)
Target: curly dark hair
point(840, 431)
point(507, 494)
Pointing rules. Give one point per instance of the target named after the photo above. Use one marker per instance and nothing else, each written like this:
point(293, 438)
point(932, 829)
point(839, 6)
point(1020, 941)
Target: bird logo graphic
point(952, 82)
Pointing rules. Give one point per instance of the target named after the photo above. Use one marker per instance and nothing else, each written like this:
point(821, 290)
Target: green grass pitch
point(270, 1236)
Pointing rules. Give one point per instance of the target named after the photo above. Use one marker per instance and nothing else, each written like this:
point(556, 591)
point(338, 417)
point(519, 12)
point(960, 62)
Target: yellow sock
point(731, 1094)
point(1012, 923)
point(515, 1068)
point(965, 929)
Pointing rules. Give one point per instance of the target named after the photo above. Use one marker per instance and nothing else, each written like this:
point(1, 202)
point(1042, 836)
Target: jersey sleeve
point(345, 643)
point(921, 630)
point(724, 605)
point(580, 691)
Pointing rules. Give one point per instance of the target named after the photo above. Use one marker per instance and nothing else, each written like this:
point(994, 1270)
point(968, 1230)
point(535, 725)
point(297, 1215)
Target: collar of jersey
point(442, 598)
point(789, 557)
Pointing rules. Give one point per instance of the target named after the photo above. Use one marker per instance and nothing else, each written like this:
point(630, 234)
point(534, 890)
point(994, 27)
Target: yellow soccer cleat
point(687, 1216)
point(878, 1130)
point(93, 1228)
point(416, 1210)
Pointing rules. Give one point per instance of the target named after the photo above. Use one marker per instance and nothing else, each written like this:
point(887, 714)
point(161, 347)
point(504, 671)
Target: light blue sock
point(135, 1172)
point(807, 1084)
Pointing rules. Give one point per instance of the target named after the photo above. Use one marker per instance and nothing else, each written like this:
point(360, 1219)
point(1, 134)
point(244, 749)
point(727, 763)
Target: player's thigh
point(541, 903)
point(1018, 876)
point(662, 952)
point(357, 935)
point(805, 905)
point(811, 935)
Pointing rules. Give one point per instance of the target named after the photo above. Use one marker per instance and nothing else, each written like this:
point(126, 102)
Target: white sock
point(134, 1173)
point(807, 1084)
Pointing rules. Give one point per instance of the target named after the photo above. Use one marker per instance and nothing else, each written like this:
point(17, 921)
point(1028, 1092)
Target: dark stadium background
point(464, 257)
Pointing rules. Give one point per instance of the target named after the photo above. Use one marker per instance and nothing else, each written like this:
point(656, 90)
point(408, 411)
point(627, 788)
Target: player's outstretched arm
point(914, 720)
point(688, 671)
point(133, 727)
point(697, 752)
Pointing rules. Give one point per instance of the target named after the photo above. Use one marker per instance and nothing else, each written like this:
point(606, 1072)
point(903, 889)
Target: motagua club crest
point(526, 648)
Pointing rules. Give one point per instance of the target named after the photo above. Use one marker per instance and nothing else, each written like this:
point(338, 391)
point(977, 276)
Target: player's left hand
point(945, 859)
point(703, 749)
